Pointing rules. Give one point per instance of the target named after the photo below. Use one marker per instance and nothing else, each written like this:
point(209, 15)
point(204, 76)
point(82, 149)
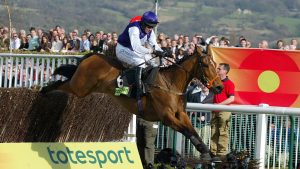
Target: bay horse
point(164, 102)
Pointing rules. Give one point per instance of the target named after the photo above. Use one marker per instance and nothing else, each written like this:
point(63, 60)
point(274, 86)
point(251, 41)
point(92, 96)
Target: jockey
point(131, 47)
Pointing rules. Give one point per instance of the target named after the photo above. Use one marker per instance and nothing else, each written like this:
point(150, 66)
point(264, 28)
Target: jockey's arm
point(134, 35)
point(153, 42)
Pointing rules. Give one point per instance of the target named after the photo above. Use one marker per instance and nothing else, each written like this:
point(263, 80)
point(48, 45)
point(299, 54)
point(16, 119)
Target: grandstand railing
point(264, 136)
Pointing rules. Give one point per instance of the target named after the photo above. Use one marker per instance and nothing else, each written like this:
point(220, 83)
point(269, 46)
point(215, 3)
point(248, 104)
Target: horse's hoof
point(216, 160)
point(206, 158)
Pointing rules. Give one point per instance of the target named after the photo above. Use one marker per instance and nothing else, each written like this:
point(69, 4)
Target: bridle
point(204, 80)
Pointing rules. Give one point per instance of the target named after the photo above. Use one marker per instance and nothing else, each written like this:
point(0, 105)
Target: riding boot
point(138, 82)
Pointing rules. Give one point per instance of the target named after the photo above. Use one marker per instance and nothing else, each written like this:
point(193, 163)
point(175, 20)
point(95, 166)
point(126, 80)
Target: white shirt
point(56, 46)
point(203, 96)
point(15, 43)
point(137, 43)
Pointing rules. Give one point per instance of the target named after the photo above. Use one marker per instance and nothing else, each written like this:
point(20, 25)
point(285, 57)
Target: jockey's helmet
point(150, 18)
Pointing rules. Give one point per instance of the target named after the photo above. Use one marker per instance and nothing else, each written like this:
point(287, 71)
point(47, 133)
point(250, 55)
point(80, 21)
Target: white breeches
point(131, 58)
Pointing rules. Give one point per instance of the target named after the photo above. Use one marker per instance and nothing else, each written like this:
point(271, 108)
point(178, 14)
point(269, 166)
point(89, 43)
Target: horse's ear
point(209, 50)
point(199, 50)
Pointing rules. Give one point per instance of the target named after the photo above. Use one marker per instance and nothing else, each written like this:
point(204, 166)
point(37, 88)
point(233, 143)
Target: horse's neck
point(181, 76)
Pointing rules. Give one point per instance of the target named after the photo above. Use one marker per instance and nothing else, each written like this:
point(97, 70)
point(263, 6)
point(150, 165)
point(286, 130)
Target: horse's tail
point(66, 71)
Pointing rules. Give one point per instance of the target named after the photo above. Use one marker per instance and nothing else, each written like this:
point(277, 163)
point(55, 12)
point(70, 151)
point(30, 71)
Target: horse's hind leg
point(182, 124)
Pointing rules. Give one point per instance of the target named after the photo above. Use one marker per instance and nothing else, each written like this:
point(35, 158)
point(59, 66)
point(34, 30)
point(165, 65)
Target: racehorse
point(164, 102)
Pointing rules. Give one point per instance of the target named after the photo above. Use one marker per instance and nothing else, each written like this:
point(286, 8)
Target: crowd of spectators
point(57, 40)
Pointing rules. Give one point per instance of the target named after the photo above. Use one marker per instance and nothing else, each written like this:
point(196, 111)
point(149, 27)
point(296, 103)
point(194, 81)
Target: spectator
point(4, 41)
point(264, 44)
point(65, 45)
point(164, 47)
point(280, 44)
point(109, 38)
point(87, 32)
point(223, 42)
point(1, 30)
point(94, 46)
point(114, 38)
point(15, 42)
point(176, 37)
point(91, 38)
point(59, 30)
point(24, 43)
point(56, 44)
point(100, 41)
point(181, 54)
point(160, 38)
point(243, 43)
point(180, 43)
point(294, 44)
point(186, 42)
point(248, 45)
point(220, 120)
point(74, 42)
point(191, 48)
point(174, 47)
point(61, 36)
point(146, 132)
point(84, 44)
point(33, 43)
point(201, 94)
point(45, 44)
point(40, 34)
point(53, 35)
point(22, 33)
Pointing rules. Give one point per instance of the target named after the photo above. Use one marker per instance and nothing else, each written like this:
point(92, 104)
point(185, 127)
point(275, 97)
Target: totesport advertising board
point(116, 155)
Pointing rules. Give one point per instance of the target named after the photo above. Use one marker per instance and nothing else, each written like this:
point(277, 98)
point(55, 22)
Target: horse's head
point(206, 71)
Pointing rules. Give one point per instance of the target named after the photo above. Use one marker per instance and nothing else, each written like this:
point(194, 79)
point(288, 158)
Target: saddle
point(126, 80)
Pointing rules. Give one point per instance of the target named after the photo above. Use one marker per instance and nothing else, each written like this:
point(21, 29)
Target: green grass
point(186, 4)
point(291, 23)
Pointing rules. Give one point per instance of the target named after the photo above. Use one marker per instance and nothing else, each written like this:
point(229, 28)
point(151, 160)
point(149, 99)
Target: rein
point(206, 82)
point(168, 90)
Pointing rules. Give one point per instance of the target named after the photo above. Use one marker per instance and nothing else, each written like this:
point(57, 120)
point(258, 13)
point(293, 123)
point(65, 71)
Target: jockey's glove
point(161, 53)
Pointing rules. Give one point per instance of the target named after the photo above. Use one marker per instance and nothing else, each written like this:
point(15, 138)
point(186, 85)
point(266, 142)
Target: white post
point(261, 137)
point(179, 142)
point(156, 12)
point(131, 132)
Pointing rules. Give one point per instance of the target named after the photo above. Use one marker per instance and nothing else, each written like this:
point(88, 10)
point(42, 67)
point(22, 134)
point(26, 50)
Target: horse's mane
point(175, 65)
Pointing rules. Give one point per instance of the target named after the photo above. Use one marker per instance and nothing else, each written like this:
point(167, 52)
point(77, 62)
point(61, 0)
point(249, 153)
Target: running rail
point(262, 108)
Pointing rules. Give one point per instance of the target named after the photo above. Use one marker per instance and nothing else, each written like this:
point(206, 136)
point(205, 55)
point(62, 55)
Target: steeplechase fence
point(270, 134)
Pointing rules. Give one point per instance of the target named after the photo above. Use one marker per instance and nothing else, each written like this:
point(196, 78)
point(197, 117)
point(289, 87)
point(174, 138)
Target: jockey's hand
point(160, 53)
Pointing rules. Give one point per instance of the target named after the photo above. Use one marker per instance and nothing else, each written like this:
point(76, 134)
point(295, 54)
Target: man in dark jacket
point(200, 94)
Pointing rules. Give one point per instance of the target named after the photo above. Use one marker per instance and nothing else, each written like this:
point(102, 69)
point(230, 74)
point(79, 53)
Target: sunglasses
point(150, 27)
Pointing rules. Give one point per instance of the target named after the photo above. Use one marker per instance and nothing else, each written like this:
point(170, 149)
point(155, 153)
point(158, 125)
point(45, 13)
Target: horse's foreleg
point(182, 124)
